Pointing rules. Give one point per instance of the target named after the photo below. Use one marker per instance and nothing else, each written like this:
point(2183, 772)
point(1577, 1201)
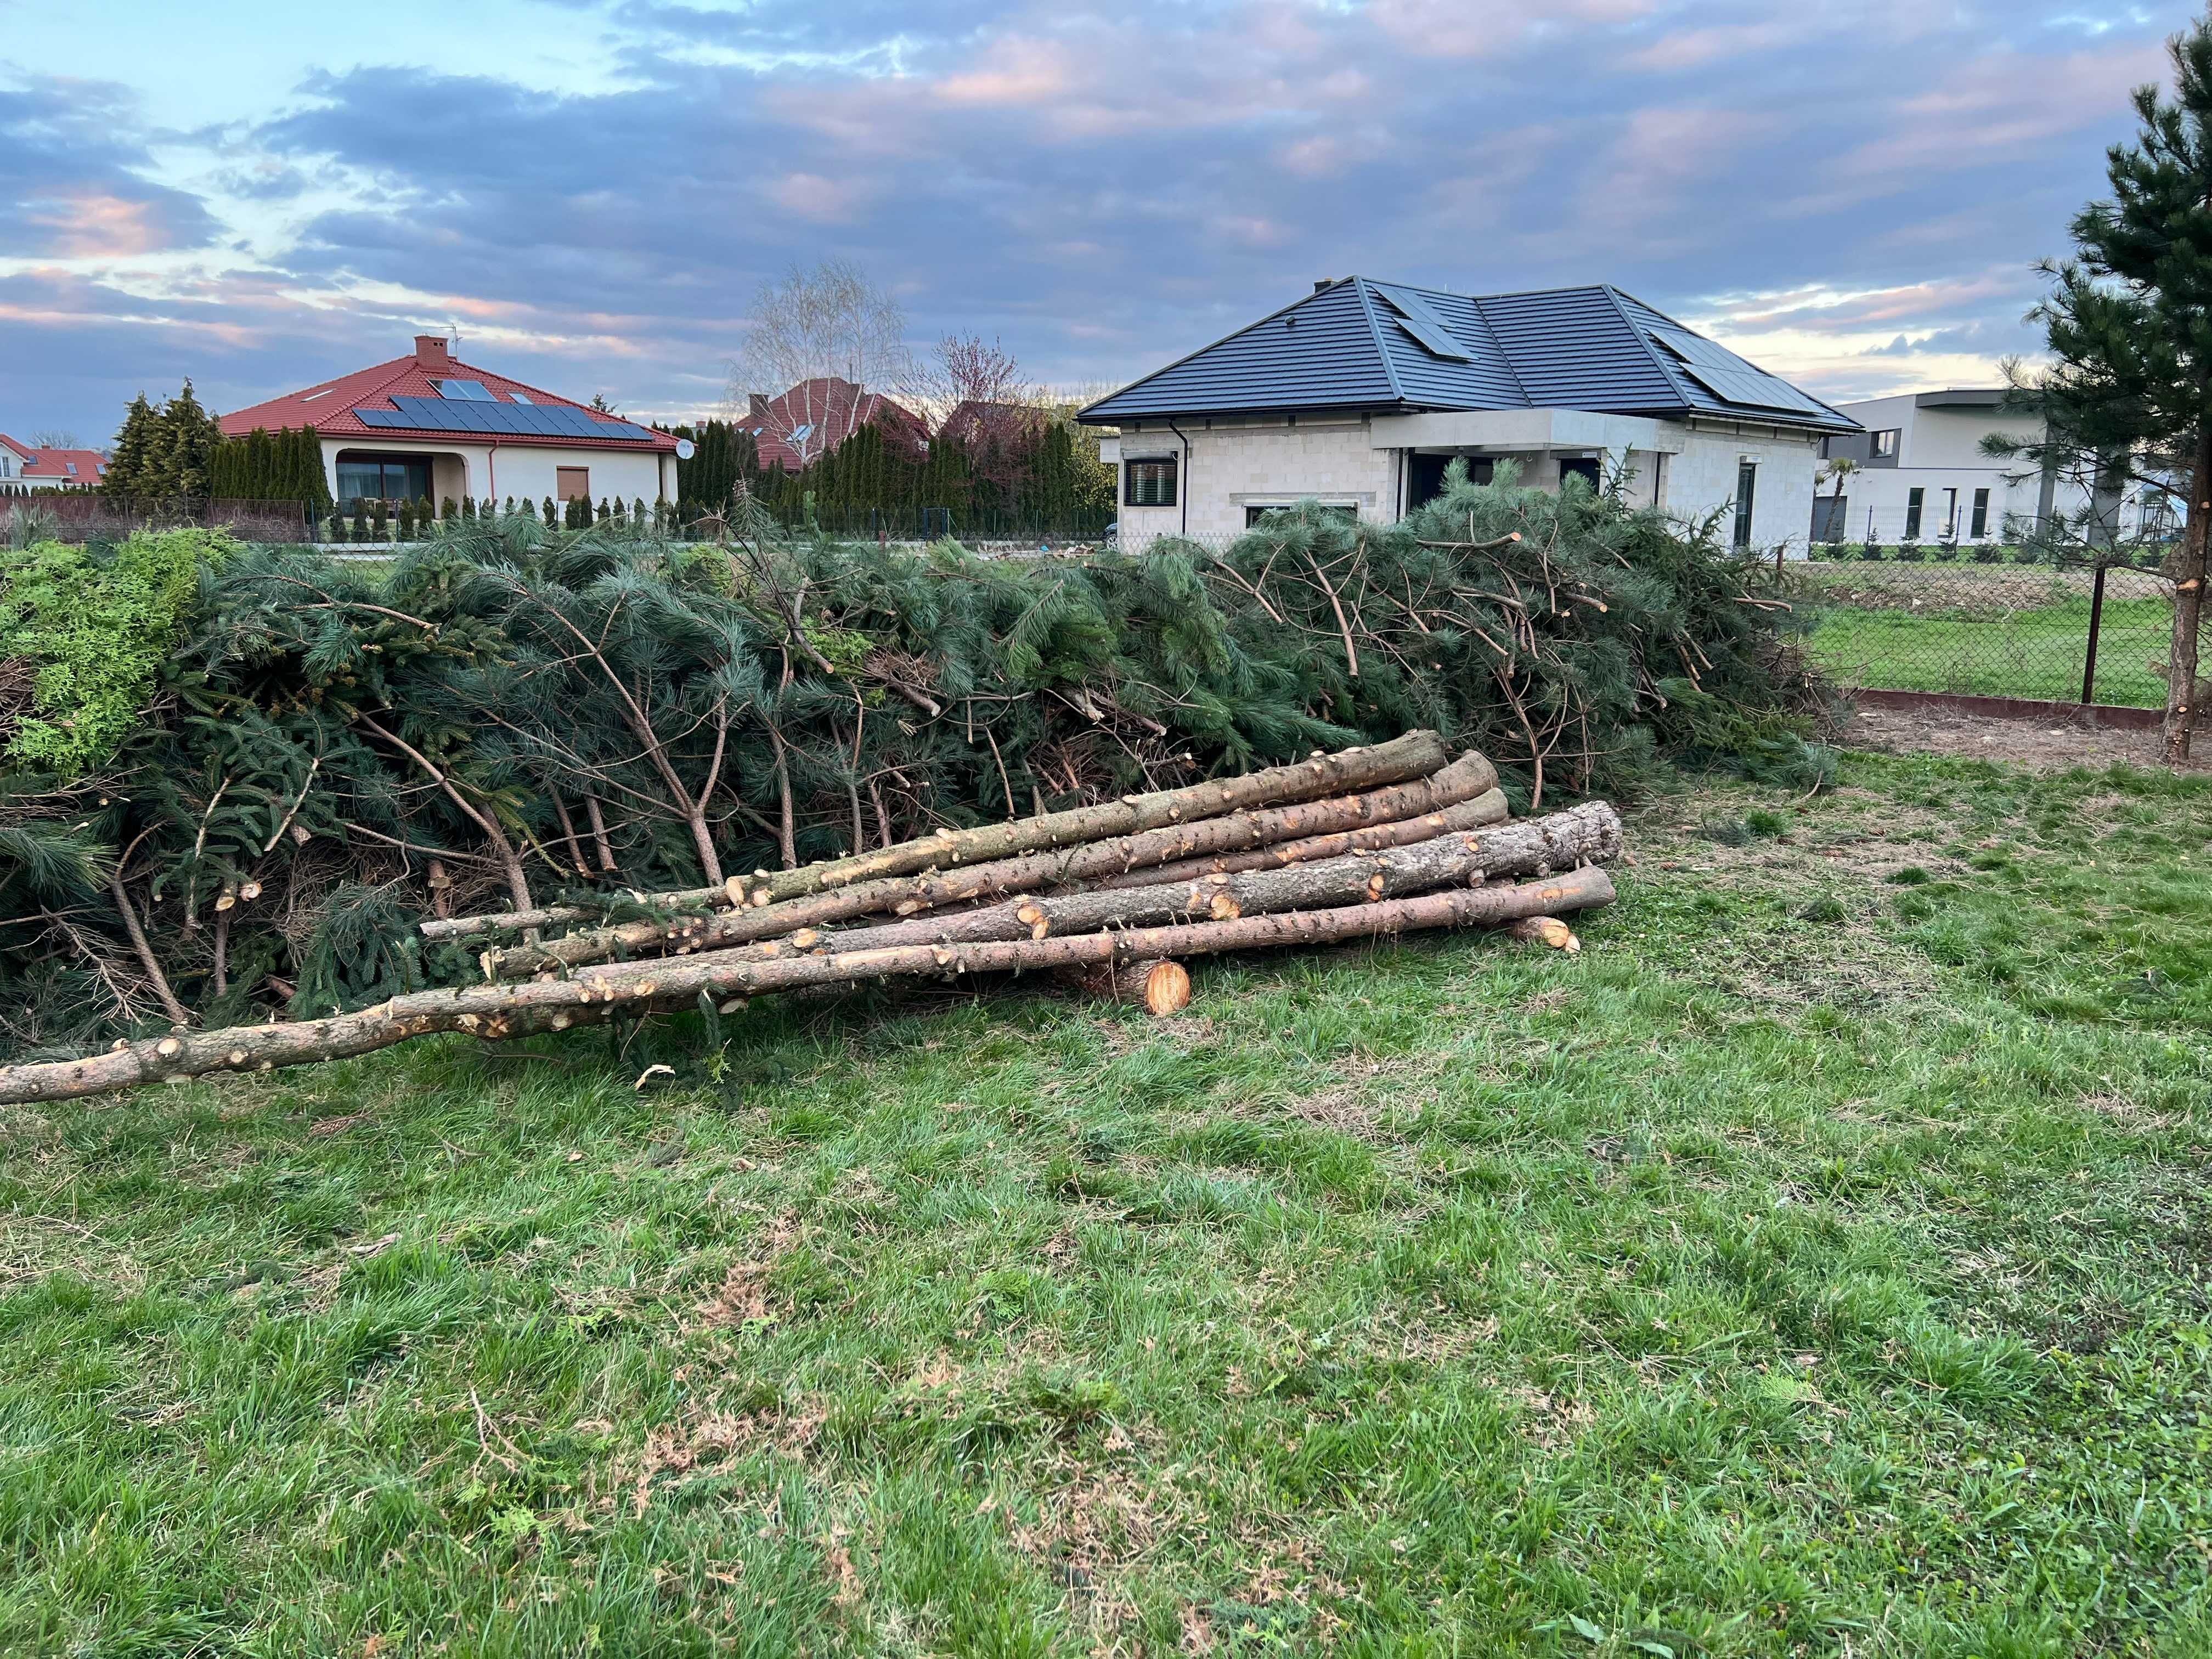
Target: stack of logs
point(1363, 843)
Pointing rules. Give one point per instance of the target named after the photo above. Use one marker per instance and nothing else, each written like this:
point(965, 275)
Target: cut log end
point(1543, 930)
point(1161, 988)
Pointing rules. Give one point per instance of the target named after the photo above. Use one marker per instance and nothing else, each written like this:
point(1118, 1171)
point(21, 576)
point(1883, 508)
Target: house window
point(1981, 525)
point(1885, 443)
point(572, 483)
point(1950, 515)
point(1746, 480)
point(1915, 499)
point(383, 477)
point(465, 392)
point(1255, 511)
point(1583, 467)
point(1149, 484)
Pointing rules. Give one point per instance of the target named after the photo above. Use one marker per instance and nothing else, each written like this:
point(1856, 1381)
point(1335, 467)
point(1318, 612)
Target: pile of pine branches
point(1367, 842)
point(556, 721)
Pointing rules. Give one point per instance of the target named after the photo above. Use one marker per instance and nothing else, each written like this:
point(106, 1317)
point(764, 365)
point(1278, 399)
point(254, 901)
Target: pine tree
point(406, 519)
point(447, 509)
point(130, 464)
point(2129, 321)
point(188, 435)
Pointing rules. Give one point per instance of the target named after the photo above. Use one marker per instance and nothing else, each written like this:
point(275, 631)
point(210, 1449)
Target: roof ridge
point(1675, 378)
point(1497, 345)
point(1364, 288)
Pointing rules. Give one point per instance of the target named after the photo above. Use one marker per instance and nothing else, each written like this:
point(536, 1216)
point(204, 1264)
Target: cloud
point(1101, 187)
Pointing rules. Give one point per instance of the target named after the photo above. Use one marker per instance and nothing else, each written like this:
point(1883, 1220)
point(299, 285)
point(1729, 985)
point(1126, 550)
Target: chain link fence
point(1989, 620)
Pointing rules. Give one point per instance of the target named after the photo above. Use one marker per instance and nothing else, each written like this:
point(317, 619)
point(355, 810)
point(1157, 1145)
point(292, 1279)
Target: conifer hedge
point(505, 709)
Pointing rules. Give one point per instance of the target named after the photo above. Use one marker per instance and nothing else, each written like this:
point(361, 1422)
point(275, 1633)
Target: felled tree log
point(1468, 777)
point(1545, 930)
point(1467, 815)
point(496, 1011)
point(1415, 754)
point(1589, 834)
point(1412, 756)
point(1160, 988)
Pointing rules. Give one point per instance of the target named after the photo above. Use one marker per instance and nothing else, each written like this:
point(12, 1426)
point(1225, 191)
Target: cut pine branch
point(1469, 777)
point(500, 1011)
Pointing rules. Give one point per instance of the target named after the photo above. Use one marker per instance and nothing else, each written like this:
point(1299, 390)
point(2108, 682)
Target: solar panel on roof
point(1426, 328)
point(529, 420)
point(1730, 378)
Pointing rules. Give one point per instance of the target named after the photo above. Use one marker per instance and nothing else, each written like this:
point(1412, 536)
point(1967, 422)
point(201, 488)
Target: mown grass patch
point(2037, 651)
point(1816, 1264)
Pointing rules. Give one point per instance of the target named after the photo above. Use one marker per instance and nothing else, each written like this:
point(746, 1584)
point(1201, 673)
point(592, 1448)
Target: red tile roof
point(84, 466)
point(813, 419)
point(23, 451)
point(329, 408)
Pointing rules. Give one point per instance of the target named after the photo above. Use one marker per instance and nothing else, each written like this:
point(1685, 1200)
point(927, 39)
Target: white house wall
point(1274, 465)
point(524, 471)
point(1701, 480)
point(1690, 471)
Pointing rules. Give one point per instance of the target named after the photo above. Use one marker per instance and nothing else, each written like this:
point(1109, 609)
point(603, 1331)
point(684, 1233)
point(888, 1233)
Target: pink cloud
point(820, 200)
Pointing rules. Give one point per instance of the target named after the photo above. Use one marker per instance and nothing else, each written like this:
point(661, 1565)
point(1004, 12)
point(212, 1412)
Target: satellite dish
point(685, 449)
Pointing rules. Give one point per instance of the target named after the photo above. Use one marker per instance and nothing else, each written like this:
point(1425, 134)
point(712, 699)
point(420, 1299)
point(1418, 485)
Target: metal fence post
point(2096, 619)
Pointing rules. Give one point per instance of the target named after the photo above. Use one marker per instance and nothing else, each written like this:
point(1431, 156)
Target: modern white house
point(1921, 476)
point(430, 425)
point(1360, 393)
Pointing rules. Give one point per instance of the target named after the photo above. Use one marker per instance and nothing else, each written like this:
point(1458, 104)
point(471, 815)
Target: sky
point(593, 192)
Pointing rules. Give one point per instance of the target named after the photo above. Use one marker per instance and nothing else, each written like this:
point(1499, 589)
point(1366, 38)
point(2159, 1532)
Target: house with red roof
point(815, 416)
point(430, 425)
point(33, 466)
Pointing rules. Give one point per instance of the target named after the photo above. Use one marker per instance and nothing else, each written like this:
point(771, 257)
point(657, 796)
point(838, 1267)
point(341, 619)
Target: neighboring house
point(431, 425)
point(1921, 475)
point(1362, 392)
point(27, 466)
point(815, 416)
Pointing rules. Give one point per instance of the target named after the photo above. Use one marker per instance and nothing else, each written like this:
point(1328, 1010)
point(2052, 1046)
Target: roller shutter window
point(1149, 483)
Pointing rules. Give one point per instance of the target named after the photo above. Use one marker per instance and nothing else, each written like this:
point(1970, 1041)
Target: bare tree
point(54, 438)
point(828, 322)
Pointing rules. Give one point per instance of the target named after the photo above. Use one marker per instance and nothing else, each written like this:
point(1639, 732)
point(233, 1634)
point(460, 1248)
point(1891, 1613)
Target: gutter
point(1183, 495)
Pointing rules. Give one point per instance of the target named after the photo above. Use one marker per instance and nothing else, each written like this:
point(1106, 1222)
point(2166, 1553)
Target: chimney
point(757, 407)
point(430, 352)
point(1326, 281)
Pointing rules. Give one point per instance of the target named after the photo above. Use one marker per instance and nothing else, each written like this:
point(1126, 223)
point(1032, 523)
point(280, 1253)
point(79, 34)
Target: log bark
point(1160, 988)
point(1470, 776)
point(1396, 759)
point(498, 1011)
point(1589, 834)
point(1490, 808)
point(1412, 756)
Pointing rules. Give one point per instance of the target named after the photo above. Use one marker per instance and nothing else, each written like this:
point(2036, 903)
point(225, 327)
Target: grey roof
point(1376, 346)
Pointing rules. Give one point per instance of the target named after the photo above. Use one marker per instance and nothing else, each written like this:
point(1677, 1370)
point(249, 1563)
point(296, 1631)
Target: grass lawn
point(1816, 1264)
point(2029, 653)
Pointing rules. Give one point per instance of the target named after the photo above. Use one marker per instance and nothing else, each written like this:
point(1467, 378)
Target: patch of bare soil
point(2042, 745)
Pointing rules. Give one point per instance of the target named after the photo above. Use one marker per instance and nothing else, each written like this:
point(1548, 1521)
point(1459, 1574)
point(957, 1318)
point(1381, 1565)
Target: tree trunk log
point(1412, 756)
point(1466, 815)
point(1545, 930)
point(496, 1011)
point(2188, 578)
point(1471, 776)
point(1589, 834)
point(1160, 988)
